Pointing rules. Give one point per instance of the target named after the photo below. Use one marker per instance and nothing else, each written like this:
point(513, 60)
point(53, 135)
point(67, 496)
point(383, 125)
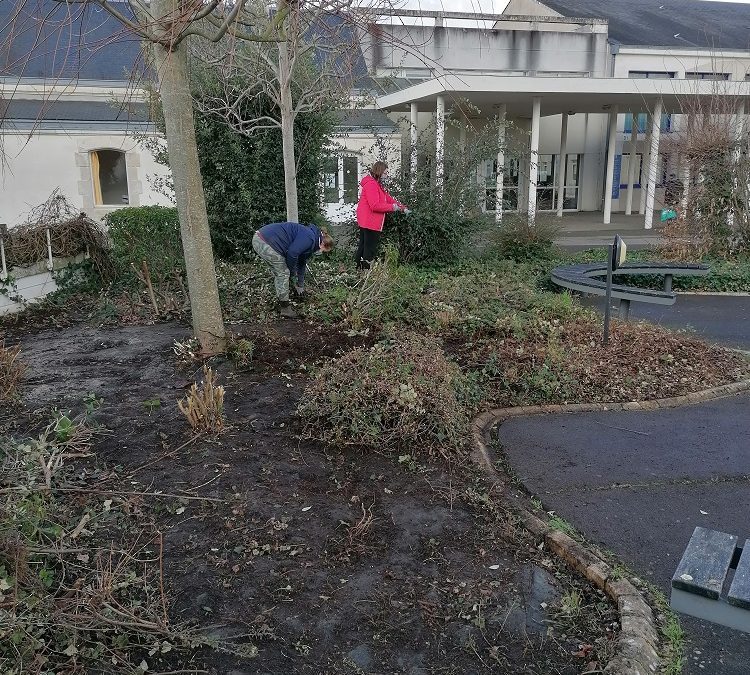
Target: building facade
point(72, 113)
point(578, 82)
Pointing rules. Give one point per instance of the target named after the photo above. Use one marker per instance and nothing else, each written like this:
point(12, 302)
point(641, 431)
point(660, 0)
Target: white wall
point(50, 159)
point(680, 61)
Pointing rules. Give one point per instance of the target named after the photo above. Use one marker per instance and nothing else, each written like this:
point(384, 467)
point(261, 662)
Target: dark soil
point(441, 581)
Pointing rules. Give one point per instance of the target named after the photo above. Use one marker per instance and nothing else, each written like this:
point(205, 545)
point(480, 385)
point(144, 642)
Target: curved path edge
point(638, 644)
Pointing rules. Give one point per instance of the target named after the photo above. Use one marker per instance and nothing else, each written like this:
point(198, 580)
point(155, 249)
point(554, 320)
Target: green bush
point(398, 395)
point(520, 240)
point(243, 178)
point(150, 233)
point(442, 224)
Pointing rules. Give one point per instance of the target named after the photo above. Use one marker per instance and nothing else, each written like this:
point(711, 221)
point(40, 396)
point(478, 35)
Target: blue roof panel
point(51, 40)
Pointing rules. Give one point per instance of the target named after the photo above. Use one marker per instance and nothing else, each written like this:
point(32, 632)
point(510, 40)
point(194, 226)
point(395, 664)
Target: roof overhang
point(561, 94)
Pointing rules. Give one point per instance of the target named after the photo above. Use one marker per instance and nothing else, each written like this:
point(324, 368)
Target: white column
point(685, 179)
point(440, 144)
point(611, 151)
point(563, 164)
point(653, 162)
point(500, 163)
point(631, 163)
point(414, 138)
point(739, 128)
point(3, 264)
point(644, 167)
point(536, 112)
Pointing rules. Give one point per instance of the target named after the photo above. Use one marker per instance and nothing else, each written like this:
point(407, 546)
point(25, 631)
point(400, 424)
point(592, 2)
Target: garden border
point(637, 650)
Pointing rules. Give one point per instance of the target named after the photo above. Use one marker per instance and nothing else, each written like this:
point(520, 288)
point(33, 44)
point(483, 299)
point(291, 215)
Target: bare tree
point(711, 148)
point(311, 67)
point(168, 25)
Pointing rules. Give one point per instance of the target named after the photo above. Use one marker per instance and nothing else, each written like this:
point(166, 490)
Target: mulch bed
point(571, 365)
point(326, 561)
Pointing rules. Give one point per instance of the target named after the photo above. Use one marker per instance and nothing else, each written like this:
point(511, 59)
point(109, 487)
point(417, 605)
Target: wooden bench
point(698, 584)
point(585, 278)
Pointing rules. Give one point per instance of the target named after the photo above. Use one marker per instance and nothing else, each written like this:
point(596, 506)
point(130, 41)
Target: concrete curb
point(638, 644)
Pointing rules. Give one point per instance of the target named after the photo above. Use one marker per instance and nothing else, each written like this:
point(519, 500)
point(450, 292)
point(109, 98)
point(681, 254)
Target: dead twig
point(166, 455)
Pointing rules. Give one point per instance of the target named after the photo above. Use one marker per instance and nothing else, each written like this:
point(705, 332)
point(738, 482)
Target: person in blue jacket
point(286, 247)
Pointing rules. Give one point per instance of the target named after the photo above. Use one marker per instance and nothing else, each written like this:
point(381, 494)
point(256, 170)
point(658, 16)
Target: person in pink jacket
point(374, 203)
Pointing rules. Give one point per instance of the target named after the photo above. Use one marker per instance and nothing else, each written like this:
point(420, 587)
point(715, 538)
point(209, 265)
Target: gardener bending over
point(286, 247)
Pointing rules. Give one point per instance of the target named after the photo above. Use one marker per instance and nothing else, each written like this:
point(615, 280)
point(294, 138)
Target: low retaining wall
point(26, 285)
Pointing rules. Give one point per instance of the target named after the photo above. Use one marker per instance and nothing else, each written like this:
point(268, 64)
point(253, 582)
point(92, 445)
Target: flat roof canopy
point(562, 94)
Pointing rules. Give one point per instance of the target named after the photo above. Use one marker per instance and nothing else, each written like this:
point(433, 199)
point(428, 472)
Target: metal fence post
point(607, 309)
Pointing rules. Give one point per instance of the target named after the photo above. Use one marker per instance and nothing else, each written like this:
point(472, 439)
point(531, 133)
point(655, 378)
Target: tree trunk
point(287, 134)
point(177, 104)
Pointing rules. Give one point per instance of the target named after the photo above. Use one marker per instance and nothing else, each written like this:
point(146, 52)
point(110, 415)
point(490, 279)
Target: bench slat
point(705, 563)
point(739, 591)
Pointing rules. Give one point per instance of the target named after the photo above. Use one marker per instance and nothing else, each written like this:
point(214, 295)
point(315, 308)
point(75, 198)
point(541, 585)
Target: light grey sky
point(495, 6)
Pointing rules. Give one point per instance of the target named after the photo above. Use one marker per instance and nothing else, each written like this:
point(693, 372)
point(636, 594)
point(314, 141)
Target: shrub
point(150, 233)
point(442, 224)
point(398, 394)
point(11, 371)
point(243, 177)
point(520, 240)
point(241, 351)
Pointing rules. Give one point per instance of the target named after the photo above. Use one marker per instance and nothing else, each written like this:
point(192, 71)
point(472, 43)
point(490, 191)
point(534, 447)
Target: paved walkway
point(637, 483)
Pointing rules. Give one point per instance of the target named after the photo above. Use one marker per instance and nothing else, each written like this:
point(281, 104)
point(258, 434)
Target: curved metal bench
point(584, 278)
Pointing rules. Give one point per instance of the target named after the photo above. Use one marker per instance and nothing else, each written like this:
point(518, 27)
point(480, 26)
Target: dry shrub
point(204, 405)
point(398, 394)
point(715, 218)
point(71, 233)
point(11, 371)
point(552, 362)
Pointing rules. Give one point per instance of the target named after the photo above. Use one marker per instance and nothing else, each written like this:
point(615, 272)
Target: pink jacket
point(374, 203)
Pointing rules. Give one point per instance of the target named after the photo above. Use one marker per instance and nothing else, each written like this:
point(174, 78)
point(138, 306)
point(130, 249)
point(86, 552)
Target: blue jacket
point(295, 241)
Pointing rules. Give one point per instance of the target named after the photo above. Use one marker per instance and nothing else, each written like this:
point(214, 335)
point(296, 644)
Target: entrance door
point(547, 183)
point(546, 187)
point(510, 185)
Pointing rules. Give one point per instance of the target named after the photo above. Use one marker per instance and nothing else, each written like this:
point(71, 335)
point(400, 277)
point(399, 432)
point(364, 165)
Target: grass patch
point(557, 523)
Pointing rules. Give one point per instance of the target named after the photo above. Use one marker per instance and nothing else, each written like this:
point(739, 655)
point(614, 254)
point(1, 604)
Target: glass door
point(510, 185)
point(547, 187)
point(546, 183)
point(570, 191)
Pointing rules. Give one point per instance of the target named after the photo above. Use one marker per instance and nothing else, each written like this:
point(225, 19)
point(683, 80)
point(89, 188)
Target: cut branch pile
point(71, 233)
point(11, 371)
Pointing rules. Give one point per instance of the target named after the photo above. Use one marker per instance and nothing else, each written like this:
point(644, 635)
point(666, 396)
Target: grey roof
point(73, 111)
point(666, 23)
point(366, 119)
point(44, 39)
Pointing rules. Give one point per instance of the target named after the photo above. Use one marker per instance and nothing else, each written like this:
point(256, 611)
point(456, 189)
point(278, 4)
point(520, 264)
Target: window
point(707, 76)
point(110, 177)
point(351, 179)
point(666, 123)
point(331, 180)
point(510, 184)
point(341, 180)
point(625, 168)
point(651, 74)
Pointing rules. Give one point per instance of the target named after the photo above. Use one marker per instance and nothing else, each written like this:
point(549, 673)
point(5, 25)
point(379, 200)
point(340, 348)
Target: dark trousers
point(368, 247)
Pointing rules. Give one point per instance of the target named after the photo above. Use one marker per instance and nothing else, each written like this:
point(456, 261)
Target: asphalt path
point(637, 483)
